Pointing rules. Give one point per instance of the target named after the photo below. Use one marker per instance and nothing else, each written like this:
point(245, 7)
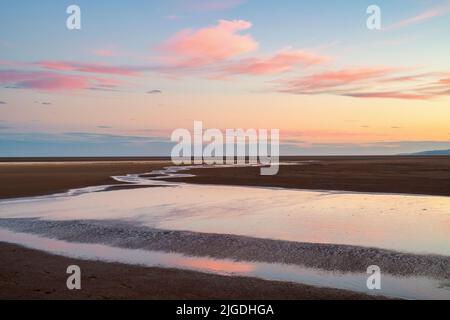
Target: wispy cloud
point(370, 148)
point(390, 95)
point(370, 82)
point(52, 81)
point(155, 91)
point(429, 14)
point(97, 144)
point(89, 67)
point(317, 83)
point(282, 61)
point(81, 144)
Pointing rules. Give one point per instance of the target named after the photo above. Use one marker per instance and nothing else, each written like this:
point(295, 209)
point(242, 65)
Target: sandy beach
point(26, 273)
point(409, 175)
point(34, 177)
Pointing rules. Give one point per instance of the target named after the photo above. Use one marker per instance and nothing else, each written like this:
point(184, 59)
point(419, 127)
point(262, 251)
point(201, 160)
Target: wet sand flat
point(35, 177)
point(22, 274)
point(31, 274)
point(395, 174)
point(410, 175)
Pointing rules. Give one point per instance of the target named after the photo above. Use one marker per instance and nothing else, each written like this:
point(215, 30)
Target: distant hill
point(433, 153)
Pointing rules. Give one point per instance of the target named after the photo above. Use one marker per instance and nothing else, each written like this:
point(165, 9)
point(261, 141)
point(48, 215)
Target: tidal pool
point(410, 223)
point(395, 287)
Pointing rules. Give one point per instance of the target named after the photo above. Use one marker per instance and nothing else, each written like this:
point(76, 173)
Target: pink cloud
point(445, 81)
point(282, 61)
point(51, 81)
point(384, 82)
point(55, 83)
point(335, 79)
point(424, 16)
point(88, 68)
point(194, 48)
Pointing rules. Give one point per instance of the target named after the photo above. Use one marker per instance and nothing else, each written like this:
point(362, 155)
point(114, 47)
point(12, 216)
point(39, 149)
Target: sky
point(137, 70)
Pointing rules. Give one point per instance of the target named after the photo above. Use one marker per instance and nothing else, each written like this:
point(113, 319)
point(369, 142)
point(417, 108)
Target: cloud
point(424, 16)
point(391, 95)
point(52, 81)
point(370, 148)
point(445, 81)
point(2, 127)
point(89, 68)
point(154, 92)
point(384, 83)
point(216, 51)
point(193, 48)
point(327, 80)
point(95, 144)
point(81, 144)
point(282, 61)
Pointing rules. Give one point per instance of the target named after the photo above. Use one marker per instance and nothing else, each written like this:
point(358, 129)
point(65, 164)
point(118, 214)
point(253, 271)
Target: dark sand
point(40, 178)
point(413, 175)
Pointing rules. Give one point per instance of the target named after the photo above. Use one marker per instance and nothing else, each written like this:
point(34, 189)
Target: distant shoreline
point(168, 158)
point(384, 174)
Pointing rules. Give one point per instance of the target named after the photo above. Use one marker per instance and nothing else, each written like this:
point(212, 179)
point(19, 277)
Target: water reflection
point(399, 287)
point(411, 223)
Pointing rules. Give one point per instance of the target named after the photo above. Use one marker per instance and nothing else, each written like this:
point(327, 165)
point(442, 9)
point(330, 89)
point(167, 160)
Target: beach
point(124, 281)
point(31, 274)
point(384, 174)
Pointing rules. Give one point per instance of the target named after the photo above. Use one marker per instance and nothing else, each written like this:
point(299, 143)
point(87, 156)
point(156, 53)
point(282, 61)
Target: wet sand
point(329, 257)
point(396, 174)
point(410, 175)
point(31, 178)
point(31, 274)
